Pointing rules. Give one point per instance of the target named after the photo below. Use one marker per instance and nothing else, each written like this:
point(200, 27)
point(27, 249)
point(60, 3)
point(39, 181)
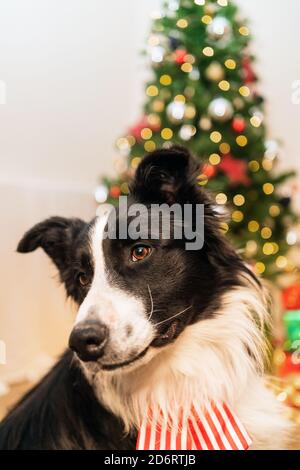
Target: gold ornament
point(215, 72)
point(205, 123)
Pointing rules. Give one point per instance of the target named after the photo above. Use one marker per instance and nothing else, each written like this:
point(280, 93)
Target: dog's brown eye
point(140, 252)
point(83, 279)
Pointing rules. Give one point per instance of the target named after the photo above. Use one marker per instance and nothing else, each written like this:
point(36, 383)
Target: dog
point(157, 324)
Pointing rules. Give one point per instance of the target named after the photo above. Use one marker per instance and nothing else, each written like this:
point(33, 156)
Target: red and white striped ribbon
point(215, 428)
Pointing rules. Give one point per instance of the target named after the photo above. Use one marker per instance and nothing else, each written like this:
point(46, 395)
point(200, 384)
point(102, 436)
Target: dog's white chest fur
point(219, 359)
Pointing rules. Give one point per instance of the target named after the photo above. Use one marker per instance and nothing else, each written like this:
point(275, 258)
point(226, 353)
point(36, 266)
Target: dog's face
point(136, 296)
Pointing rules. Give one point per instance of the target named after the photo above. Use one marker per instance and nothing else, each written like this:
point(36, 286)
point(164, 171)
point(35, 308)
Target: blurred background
point(72, 81)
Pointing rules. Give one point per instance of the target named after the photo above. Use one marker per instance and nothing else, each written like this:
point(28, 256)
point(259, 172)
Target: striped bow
point(215, 428)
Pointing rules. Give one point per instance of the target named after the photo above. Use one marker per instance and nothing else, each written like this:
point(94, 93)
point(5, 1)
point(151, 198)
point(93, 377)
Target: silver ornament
point(157, 54)
point(101, 193)
point(220, 30)
point(194, 75)
point(176, 110)
point(272, 149)
point(187, 132)
point(220, 109)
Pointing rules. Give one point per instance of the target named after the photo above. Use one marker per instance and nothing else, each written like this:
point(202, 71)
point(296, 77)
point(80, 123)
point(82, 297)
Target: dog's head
point(137, 293)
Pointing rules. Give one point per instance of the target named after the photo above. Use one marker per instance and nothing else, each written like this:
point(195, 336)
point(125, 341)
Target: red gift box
point(291, 297)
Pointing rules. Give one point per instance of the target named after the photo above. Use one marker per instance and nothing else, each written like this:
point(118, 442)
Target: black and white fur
point(179, 327)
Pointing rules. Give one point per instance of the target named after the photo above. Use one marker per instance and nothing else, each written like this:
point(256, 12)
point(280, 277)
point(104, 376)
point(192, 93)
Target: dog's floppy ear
point(167, 175)
point(55, 236)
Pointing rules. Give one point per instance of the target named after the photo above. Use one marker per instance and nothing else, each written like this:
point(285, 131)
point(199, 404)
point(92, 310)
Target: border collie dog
point(157, 324)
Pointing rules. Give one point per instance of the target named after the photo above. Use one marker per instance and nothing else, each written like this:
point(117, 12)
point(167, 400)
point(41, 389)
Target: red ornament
point(239, 124)
point(136, 130)
point(290, 365)
point(209, 170)
point(235, 169)
point(179, 56)
point(247, 70)
point(143, 122)
point(115, 192)
point(291, 297)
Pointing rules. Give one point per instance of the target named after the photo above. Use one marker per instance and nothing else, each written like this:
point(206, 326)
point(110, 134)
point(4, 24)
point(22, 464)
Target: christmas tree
point(203, 95)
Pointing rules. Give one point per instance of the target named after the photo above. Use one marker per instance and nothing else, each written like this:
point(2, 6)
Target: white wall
point(74, 83)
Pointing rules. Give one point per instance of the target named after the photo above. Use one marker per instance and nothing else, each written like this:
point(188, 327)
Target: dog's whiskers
point(152, 304)
point(173, 316)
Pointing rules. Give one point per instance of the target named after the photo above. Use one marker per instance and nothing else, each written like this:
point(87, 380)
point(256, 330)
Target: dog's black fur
point(62, 411)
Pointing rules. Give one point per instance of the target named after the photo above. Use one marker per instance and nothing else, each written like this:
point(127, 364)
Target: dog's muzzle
point(88, 340)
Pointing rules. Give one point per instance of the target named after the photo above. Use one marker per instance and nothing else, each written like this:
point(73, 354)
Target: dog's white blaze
point(119, 310)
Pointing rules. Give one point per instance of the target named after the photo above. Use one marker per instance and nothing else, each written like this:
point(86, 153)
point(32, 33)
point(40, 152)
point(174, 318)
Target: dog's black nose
point(88, 340)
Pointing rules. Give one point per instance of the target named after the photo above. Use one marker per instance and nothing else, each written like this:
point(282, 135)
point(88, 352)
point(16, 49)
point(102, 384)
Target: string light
point(190, 58)
point(206, 19)
point(221, 198)
point(152, 90)
point(146, 133)
point(268, 249)
point(189, 91)
point(124, 188)
point(230, 64)
point(214, 159)
point(186, 67)
point(239, 200)
point(254, 166)
point(251, 247)
point(167, 133)
point(208, 51)
point(244, 31)
point(274, 211)
point(135, 162)
point(216, 137)
point(224, 148)
point(202, 180)
point(244, 91)
point(199, 2)
point(131, 140)
point(267, 164)
point(150, 146)
point(165, 80)
point(253, 226)
point(260, 267)
point(205, 123)
point(224, 85)
point(256, 121)
point(223, 3)
point(158, 106)
point(266, 233)
point(120, 164)
point(180, 99)
point(237, 216)
point(123, 144)
point(224, 227)
point(281, 262)
point(154, 120)
point(242, 140)
point(268, 188)
point(182, 23)
point(190, 112)
point(275, 248)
